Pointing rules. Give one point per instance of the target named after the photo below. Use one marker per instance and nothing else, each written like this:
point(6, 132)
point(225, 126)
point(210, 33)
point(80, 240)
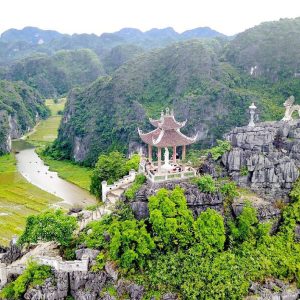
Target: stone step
point(116, 193)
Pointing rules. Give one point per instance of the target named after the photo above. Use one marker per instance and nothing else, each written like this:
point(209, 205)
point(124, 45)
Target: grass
point(45, 133)
point(46, 130)
point(18, 199)
point(81, 176)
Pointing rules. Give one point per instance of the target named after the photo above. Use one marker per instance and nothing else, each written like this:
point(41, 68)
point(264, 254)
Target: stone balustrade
point(55, 262)
point(117, 185)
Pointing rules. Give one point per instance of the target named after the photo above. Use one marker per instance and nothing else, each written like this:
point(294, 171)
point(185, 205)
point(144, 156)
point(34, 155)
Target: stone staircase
point(112, 198)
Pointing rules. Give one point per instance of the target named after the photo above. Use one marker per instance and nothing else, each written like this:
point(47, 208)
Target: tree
point(210, 231)
point(130, 243)
point(171, 219)
point(110, 168)
point(49, 226)
point(206, 184)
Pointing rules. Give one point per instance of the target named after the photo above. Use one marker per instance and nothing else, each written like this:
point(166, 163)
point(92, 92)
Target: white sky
point(98, 16)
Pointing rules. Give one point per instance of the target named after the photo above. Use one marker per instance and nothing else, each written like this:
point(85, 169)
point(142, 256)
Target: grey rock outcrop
point(273, 290)
point(265, 158)
point(12, 253)
point(197, 201)
point(52, 289)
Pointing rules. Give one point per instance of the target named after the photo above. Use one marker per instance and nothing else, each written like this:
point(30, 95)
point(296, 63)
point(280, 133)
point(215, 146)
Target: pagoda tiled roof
point(167, 132)
point(167, 122)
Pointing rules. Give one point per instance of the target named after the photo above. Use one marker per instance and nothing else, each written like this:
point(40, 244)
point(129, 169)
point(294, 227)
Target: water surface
point(37, 173)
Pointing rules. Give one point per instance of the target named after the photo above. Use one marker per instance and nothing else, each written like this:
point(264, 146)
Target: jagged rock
point(133, 290)
point(52, 289)
point(140, 209)
point(259, 161)
point(169, 296)
point(273, 289)
point(111, 270)
point(90, 253)
point(86, 281)
point(13, 252)
point(197, 201)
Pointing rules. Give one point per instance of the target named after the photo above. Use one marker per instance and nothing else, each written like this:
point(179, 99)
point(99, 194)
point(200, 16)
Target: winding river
point(32, 167)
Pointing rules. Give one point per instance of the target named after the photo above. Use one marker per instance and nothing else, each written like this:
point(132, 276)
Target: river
point(33, 169)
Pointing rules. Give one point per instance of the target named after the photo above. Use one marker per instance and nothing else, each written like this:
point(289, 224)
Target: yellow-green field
point(71, 172)
point(18, 199)
point(46, 130)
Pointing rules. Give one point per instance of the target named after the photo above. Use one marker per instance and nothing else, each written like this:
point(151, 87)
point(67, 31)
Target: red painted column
point(159, 158)
point(150, 153)
point(174, 154)
point(183, 152)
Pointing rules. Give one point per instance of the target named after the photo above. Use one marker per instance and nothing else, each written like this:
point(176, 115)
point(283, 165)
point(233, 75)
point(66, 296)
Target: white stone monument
point(252, 109)
point(166, 166)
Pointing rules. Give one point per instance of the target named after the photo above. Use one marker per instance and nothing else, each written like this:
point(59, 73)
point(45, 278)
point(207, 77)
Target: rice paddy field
point(18, 199)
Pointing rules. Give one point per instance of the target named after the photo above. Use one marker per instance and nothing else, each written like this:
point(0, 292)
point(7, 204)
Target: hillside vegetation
point(56, 75)
point(191, 77)
point(20, 108)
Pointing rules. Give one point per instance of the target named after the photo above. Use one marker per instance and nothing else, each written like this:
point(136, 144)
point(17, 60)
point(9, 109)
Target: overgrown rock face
point(265, 158)
point(197, 201)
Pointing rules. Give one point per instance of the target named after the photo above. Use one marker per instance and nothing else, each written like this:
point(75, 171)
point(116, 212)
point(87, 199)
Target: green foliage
point(130, 243)
point(229, 190)
point(244, 229)
point(33, 275)
point(49, 226)
point(110, 168)
point(205, 184)
point(171, 219)
point(140, 179)
point(56, 75)
point(210, 231)
point(244, 171)
point(221, 148)
point(19, 101)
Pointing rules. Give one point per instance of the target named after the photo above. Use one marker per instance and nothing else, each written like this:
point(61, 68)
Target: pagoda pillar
point(150, 153)
point(174, 154)
point(159, 158)
point(183, 152)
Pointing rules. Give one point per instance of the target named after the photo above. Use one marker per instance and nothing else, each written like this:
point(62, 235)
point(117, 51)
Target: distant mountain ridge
point(33, 35)
point(16, 44)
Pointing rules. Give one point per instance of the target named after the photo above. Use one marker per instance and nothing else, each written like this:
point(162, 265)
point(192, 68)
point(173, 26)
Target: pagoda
point(166, 135)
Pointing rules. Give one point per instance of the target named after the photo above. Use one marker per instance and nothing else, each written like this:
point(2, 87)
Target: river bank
point(28, 186)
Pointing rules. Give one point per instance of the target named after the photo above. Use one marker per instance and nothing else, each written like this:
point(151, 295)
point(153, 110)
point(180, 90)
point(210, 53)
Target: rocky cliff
point(265, 158)
point(20, 109)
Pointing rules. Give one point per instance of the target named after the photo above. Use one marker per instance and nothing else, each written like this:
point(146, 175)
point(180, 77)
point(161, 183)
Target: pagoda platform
point(177, 171)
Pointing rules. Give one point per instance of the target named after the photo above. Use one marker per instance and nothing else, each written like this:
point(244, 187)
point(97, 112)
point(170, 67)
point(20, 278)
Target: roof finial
point(167, 111)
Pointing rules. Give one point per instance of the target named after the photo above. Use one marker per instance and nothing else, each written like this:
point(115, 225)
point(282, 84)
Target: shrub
point(171, 219)
point(138, 182)
point(206, 184)
point(49, 226)
point(210, 231)
point(33, 275)
point(221, 148)
point(110, 168)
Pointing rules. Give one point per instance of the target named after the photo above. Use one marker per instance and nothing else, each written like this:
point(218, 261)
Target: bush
point(33, 275)
point(171, 219)
point(140, 179)
point(210, 231)
point(206, 184)
point(221, 148)
point(49, 226)
point(110, 168)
